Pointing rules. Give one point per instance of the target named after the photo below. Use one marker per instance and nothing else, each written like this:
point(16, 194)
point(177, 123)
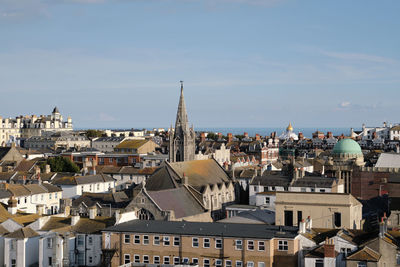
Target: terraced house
point(205, 244)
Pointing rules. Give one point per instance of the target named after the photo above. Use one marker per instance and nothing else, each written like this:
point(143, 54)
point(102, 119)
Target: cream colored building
point(28, 126)
point(326, 210)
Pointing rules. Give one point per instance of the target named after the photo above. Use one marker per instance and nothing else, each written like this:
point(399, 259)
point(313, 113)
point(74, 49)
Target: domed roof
point(347, 146)
point(290, 127)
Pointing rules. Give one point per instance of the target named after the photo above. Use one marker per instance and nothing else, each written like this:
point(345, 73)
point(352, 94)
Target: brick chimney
point(246, 135)
point(329, 135)
point(258, 138)
point(374, 135)
point(219, 136)
point(329, 249)
point(202, 137)
point(230, 137)
point(301, 136)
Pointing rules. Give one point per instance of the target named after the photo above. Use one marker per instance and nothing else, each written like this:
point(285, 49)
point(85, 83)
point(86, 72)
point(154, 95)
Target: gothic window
point(144, 214)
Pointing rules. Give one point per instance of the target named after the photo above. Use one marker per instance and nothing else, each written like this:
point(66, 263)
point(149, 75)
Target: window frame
point(156, 240)
point(207, 241)
point(195, 242)
point(136, 239)
point(261, 244)
point(127, 237)
point(166, 241)
point(127, 258)
point(145, 240)
point(237, 241)
point(218, 243)
point(248, 245)
point(283, 245)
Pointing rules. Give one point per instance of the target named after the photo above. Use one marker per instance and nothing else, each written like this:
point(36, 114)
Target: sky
point(244, 63)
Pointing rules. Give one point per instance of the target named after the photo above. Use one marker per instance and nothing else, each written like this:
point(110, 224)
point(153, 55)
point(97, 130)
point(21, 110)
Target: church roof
point(182, 122)
point(199, 173)
point(55, 110)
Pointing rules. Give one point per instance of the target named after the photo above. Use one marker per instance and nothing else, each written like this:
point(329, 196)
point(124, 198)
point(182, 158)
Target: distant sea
point(307, 132)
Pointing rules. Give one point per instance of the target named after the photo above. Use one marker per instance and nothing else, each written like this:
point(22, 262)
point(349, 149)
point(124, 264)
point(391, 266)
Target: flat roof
point(205, 229)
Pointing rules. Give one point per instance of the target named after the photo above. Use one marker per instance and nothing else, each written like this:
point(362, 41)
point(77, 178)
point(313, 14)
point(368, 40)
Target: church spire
point(182, 140)
point(181, 116)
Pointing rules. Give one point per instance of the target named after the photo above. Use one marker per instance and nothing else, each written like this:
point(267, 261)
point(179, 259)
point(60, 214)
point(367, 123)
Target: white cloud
point(359, 57)
point(345, 104)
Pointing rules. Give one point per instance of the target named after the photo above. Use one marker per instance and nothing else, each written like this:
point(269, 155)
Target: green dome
point(347, 146)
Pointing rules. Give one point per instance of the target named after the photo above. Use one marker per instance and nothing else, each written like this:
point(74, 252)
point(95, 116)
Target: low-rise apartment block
point(205, 244)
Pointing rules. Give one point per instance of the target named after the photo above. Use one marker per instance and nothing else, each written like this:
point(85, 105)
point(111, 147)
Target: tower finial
point(181, 85)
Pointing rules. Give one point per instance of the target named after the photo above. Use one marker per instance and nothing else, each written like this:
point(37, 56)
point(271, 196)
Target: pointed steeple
point(181, 116)
point(182, 139)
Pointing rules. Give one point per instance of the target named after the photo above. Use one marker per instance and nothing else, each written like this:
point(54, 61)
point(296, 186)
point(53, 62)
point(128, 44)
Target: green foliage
point(62, 164)
point(212, 136)
point(94, 133)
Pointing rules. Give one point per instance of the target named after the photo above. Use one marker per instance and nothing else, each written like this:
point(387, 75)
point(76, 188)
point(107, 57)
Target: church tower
point(182, 139)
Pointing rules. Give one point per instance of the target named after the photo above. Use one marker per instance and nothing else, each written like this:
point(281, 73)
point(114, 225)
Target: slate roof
point(259, 231)
point(78, 180)
point(4, 151)
point(313, 181)
point(117, 199)
point(199, 173)
point(177, 199)
point(51, 188)
point(257, 216)
point(274, 179)
point(6, 176)
point(25, 165)
point(388, 160)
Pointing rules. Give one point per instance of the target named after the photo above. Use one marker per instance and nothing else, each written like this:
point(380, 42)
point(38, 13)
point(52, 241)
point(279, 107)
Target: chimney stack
point(202, 137)
point(40, 209)
point(308, 223)
point(230, 137)
point(258, 138)
point(92, 212)
point(246, 135)
point(329, 249)
point(301, 136)
point(12, 205)
point(302, 227)
point(219, 136)
point(47, 168)
point(329, 135)
point(383, 226)
point(185, 179)
point(74, 219)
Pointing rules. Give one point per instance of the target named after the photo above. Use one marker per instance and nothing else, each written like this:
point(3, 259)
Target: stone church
point(182, 139)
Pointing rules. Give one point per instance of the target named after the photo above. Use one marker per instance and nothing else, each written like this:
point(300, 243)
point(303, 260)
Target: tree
point(62, 164)
point(94, 133)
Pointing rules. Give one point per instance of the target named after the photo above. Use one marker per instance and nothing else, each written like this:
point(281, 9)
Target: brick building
point(205, 244)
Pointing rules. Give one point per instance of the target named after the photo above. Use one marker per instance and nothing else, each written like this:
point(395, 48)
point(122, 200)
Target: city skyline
point(116, 64)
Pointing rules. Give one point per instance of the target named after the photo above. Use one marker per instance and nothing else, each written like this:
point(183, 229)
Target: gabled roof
point(79, 180)
point(179, 200)
point(132, 144)
point(200, 172)
point(163, 178)
point(22, 233)
point(25, 165)
point(88, 226)
point(364, 254)
point(318, 252)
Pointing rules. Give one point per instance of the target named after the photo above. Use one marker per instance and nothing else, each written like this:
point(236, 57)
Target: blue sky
point(245, 63)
